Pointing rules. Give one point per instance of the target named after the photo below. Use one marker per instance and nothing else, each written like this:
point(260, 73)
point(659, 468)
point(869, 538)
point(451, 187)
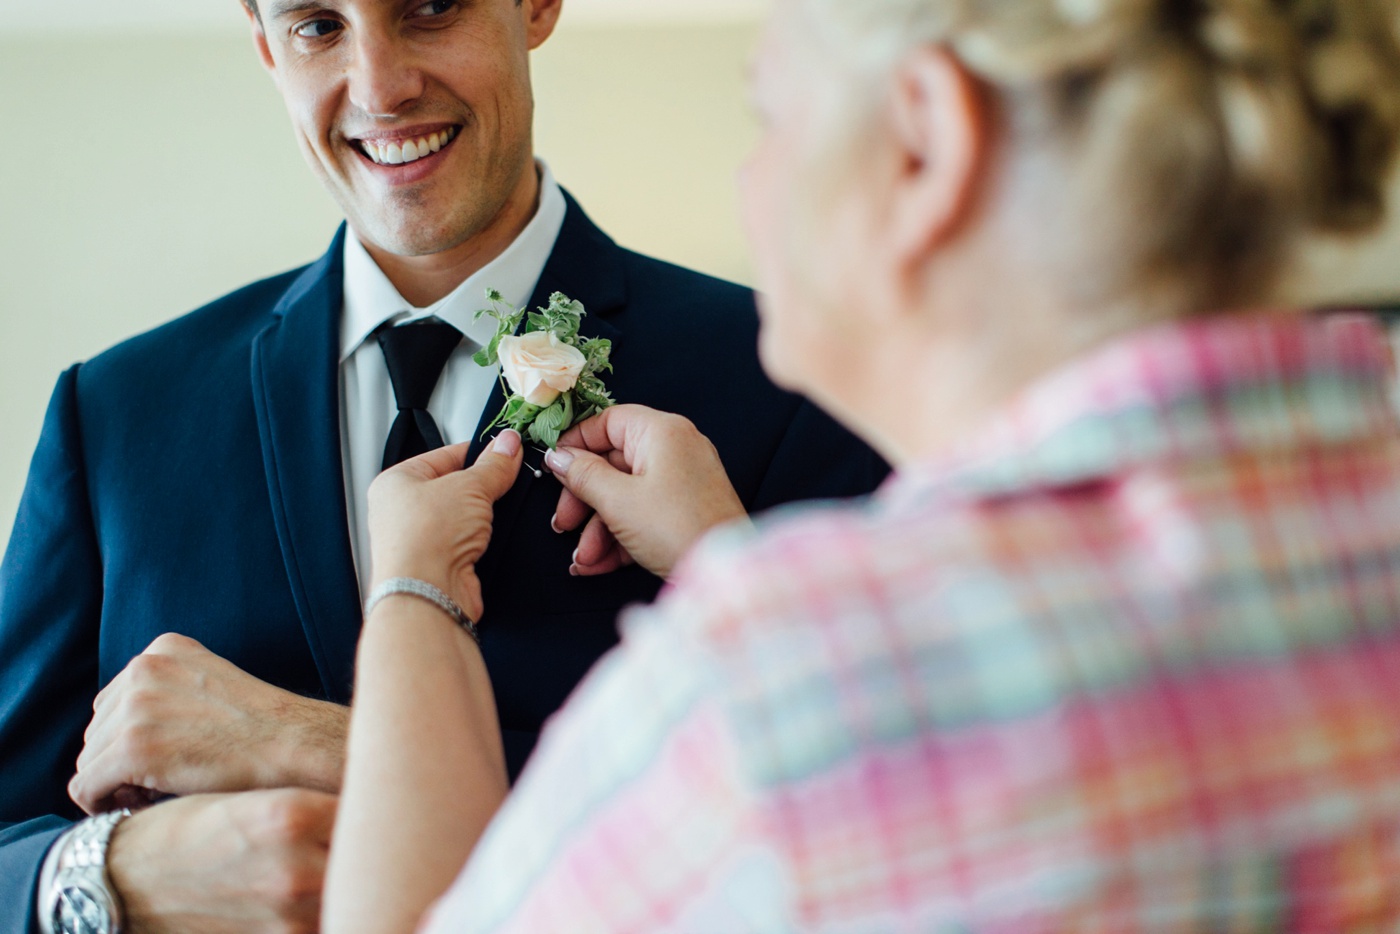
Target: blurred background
point(151, 168)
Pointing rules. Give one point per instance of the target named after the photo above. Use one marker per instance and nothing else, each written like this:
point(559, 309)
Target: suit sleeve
point(818, 459)
point(50, 604)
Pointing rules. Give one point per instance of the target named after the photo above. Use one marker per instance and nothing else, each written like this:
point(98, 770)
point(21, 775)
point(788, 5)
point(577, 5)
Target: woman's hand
point(655, 482)
point(430, 519)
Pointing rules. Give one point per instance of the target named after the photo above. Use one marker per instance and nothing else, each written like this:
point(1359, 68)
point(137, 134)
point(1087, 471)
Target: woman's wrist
point(427, 571)
point(426, 593)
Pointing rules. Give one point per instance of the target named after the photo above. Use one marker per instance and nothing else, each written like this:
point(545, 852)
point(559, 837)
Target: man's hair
point(252, 6)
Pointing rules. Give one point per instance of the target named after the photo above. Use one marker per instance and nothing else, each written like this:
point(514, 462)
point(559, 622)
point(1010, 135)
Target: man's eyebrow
point(292, 7)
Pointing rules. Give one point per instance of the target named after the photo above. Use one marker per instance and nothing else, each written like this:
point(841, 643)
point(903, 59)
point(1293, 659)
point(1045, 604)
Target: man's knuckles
point(145, 702)
point(141, 744)
point(78, 792)
point(172, 643)
point(149, 669)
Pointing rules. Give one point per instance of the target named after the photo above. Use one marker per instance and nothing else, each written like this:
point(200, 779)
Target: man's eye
point(317, 28)
point(435, 8)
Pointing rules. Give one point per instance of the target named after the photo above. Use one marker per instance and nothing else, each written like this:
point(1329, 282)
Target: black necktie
point(416, 354)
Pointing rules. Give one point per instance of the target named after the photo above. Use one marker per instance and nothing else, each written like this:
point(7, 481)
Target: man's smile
point(400, 149)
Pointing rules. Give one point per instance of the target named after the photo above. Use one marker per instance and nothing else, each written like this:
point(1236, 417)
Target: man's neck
point(423, 280)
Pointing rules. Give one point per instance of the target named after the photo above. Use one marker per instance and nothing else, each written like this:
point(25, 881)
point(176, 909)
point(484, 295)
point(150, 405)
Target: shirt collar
point(371, 299)
point(1206, 387)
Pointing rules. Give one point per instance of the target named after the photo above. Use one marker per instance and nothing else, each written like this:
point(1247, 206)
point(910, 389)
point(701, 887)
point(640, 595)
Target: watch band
point(80, 898)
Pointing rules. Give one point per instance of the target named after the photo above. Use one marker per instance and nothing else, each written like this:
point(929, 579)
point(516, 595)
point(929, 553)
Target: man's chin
point(408, 238)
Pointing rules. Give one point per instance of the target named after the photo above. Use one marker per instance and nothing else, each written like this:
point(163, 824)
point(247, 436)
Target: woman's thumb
point(499, 464)
point(589, 477)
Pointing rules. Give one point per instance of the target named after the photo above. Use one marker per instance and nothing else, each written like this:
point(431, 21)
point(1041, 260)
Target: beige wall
point(144, 176)
point(156, 173)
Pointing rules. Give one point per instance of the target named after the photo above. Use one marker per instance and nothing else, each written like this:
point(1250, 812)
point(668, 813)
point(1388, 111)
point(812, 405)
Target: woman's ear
point(941, 121)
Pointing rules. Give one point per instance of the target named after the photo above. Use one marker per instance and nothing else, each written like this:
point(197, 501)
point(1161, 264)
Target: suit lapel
point(585, 265)
point(295, 382)
point(296, 394)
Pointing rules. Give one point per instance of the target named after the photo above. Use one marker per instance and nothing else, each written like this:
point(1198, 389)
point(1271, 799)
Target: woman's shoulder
point(835, 595)
point(819, 564)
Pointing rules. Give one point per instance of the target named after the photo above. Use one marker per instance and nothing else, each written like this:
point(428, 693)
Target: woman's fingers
point(497, 467)
point(434, 464)
point(591, 479)
point(601, 554)
point(497, 460)
point(614, 430)
point(431, 520)
point(594, 544)
point(571, 512)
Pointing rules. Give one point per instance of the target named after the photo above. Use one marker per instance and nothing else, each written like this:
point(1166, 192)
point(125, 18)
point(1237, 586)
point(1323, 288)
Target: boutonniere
point(552, 376)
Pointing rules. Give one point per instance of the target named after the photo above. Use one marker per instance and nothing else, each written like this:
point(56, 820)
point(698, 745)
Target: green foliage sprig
point(587, 397)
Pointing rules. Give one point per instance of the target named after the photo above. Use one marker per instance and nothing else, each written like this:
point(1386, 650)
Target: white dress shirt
point(367, 406)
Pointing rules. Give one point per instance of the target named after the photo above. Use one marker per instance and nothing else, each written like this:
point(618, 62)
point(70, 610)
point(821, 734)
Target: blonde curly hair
point(1197, 138)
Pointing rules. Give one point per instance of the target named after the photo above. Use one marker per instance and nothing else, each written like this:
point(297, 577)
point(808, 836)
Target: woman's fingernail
point(507, 443)
point(559, 460)
point(573, 570)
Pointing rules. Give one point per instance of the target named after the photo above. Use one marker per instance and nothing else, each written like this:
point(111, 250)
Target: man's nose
point(383, 78)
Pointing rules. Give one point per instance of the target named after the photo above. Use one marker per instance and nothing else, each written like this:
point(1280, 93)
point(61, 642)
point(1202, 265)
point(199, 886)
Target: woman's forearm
point(425, 771)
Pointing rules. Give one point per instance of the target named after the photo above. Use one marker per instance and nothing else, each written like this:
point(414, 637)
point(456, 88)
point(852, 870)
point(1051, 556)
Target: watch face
point(78, 912)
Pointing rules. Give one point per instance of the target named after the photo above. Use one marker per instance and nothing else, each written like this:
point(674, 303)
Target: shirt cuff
point(46, 880)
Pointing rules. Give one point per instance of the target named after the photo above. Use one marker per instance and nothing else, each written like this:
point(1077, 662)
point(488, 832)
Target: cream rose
point(539, 366)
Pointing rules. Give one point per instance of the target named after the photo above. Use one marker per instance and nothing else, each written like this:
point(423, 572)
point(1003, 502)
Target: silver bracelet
point(423, 590)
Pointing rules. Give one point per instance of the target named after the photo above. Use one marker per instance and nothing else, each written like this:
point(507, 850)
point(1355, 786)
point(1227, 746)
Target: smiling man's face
point(416, 115)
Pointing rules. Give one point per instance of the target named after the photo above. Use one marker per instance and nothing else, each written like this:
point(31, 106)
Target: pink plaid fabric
point(1128, 662)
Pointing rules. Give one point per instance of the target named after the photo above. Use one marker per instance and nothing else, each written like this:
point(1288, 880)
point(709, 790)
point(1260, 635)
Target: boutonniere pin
point(552, 376)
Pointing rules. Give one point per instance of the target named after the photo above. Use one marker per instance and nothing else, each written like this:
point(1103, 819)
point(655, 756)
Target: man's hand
point(656, 483)
point(180, 720)
point(250, 863)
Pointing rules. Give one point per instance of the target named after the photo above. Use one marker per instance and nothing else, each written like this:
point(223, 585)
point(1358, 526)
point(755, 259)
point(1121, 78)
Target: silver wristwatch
point(79, 898)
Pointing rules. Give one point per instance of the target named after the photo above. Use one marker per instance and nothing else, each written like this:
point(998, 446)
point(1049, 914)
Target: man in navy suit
point(180, 601)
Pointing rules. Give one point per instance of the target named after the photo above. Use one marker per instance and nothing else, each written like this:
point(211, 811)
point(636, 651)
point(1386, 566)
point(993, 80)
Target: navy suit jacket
point(189, 480)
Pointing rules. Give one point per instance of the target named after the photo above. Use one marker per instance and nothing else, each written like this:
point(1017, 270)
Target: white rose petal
point(539, 366)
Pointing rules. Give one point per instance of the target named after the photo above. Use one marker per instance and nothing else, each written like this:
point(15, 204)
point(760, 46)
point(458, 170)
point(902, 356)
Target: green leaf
point(522, 414)
point(553, 421)
point(558, 415)
point(516, 414)
point(507, 321)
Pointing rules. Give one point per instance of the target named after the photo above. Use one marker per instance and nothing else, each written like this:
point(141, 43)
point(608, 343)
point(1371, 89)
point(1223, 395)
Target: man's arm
point(50, 605)
point(210, 864)
point(180, 720)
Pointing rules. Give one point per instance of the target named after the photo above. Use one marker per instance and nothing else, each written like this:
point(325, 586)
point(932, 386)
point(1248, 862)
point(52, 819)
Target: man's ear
point(541, 16)
point(260, 41)
point(942, 123)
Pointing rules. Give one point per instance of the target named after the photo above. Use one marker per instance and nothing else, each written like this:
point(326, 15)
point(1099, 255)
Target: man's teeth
point(409, 150)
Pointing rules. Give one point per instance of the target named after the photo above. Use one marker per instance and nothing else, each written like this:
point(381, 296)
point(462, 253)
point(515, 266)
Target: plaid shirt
point(1129, 662)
